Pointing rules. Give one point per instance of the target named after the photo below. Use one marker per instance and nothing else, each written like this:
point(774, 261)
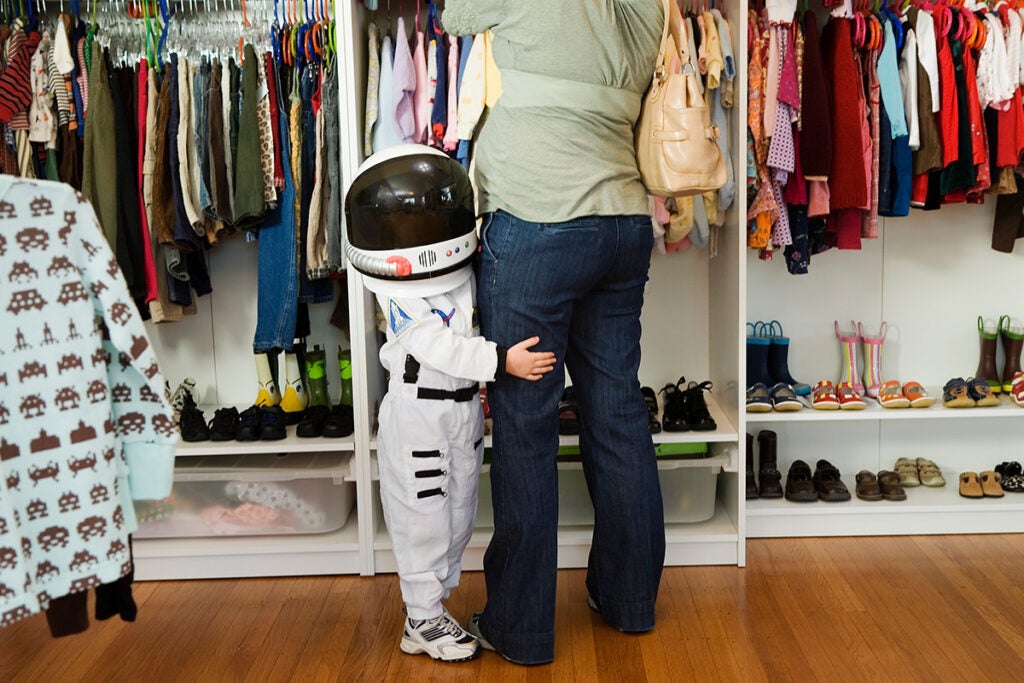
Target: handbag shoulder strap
point(674, 25)
point(659, 66)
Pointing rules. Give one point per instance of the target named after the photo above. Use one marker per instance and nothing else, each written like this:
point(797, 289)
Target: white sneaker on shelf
point(441, 637)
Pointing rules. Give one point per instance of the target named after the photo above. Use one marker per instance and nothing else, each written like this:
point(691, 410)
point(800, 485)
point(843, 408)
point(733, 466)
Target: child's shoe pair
point(960, 393)
point(827, 396)
point(910, 395)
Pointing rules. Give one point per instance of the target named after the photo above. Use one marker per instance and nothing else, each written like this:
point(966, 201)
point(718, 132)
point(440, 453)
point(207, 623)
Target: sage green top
point(559, 142)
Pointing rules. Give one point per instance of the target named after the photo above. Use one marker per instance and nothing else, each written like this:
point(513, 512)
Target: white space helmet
point(411, 221)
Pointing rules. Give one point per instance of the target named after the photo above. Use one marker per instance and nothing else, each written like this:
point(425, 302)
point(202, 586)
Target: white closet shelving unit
point(930, 276)
point(693, 326)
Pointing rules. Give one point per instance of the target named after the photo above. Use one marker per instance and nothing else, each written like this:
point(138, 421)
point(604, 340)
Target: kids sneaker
point(890, 395)
point(758, 400)
point(955, 394)
point(783, 399)
point(849, 399)
point(224, 424)
point(981, 391)
point(441, 637)
point(824, 396)
point(193, 424)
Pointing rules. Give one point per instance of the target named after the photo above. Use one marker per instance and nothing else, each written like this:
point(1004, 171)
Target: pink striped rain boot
point(873, 358)
point(848, 373)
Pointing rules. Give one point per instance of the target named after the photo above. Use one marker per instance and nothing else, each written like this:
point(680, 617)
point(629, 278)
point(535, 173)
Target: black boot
point(757, 361)
point(768, 475)
point(751, 482)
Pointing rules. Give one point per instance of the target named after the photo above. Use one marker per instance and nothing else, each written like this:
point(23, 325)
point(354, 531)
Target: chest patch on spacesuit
point(400, 321)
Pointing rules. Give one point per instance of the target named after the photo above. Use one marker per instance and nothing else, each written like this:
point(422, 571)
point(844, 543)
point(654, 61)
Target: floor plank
point(930, 608)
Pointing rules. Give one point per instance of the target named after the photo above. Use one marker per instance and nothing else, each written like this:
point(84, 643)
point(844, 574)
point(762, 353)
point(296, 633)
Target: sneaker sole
point(853, 406)
point(412, 648)
point(758, 408)
point(789, 406)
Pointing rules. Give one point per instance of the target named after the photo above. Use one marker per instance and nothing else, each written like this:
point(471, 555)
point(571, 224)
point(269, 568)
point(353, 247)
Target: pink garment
point(403, 85)
point(147, 247)
point(818, 202)
point(451, 132)
point(682, 245)
point(421, 97)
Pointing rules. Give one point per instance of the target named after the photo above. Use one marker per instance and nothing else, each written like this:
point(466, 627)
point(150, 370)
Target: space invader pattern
point(62, 527)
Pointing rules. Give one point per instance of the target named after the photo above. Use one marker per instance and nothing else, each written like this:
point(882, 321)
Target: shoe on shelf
point(981, 391)
point(192, 423)
point(955, 394)
point(272, 423)
point(828, 484)
point(568, 413)
point(800, 483)
point(249, 421)
point(783, 399)
point(1017, 389)
point(441, 637)
point(312, 424)
point(758, 399)
point(673, 417)
point(751, 487)
point(907, 470)
point(849, 397)
point(867, 486)
point(769, 479)
point(889, 482)
point(698, 418)
point(991, 486)
point(224, 425)
point(917, 396)
point(929, 473)
point(340, 422)
point(1012, 476)
point(824, 396)
point(970, 486)
point(651, 401)
point(1011, 332)
point(188, 389)
point(988, 334)
point(890, 395)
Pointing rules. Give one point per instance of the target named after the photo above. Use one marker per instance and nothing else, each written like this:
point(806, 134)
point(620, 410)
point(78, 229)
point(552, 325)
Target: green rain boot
point(316, 378)
point(341, 421)
point(1012, 334)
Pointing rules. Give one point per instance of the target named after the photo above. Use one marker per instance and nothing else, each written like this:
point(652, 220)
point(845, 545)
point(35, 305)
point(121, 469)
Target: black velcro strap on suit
point(429, 474)
point(412, 370)
point(459, 395)
point(426, 454)
point(429, 493)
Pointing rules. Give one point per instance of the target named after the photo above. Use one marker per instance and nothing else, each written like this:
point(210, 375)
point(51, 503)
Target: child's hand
point(521, 362)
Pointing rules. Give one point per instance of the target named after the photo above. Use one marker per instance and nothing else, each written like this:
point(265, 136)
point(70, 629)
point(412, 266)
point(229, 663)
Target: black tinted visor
point(410, 201)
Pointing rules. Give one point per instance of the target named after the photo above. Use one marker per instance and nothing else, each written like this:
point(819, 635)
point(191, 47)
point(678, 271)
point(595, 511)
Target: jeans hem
point(528, 649)
point(631, 617)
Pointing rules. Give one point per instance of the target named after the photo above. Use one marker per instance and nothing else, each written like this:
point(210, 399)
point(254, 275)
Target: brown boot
point(768, 476)
point(988, 332)
point(751, 482)
point(1013, 340)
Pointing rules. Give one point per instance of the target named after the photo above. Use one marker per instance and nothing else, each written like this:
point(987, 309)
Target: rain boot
point(848, 373)
point(768, 476)
point(778, 361)
point(873, 358)
point(316, 377)
point(341, 421)
point(988, 332)
point(751, 482)
point(1013, 339)
point(758, 345)
point(268, 394)
point(295, 398)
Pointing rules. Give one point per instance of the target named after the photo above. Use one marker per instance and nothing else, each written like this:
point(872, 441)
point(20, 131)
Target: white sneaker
point(441, 637)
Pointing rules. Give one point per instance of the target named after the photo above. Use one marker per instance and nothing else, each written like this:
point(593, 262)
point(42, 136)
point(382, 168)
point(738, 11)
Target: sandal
point(828, 484)
point(907, 471)
point(783, 398)
point(889, 482)
point(990, 484)
point(970, 487)
point(981, 392)
point(849, 399)
point(824, 396)
point(917, 396)
point(568, 413)
point(929, 473)
point(867, 486)
point(890, 395)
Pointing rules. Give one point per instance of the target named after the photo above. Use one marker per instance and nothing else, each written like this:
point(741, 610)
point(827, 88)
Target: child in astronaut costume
point(411, 229)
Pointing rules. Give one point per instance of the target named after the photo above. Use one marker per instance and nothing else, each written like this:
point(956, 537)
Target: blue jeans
point(277, 298)
point(578, 285)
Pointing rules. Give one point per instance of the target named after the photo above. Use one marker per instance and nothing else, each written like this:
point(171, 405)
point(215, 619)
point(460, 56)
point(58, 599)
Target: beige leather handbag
point(676, 145)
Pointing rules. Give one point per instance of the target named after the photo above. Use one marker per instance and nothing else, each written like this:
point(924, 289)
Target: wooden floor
point(851, 609)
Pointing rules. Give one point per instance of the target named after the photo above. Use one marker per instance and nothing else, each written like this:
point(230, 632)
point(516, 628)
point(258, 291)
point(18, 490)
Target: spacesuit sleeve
point(425, 337)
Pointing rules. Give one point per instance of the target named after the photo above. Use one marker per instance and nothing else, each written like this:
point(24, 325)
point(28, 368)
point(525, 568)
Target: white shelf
point(712, 542)
point(925, 511)
point(873, 411)
point(335, 552)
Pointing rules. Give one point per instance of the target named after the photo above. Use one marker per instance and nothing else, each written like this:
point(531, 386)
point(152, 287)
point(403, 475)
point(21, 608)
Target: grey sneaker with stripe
point(441, 637)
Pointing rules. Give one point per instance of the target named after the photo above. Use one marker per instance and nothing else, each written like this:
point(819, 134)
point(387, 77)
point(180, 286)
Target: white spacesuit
point(411, 228)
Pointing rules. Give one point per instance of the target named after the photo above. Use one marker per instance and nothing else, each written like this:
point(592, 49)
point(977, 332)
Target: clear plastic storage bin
point(237, 495)
point(688, 493)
